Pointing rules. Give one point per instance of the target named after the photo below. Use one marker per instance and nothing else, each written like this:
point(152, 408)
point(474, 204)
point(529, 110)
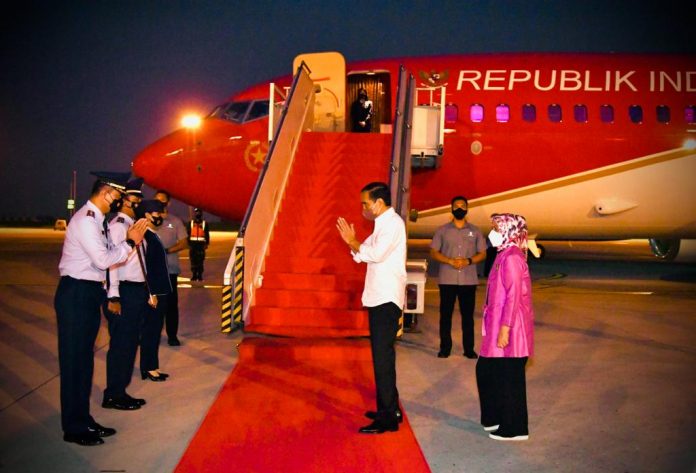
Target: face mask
point(368, 213)
point(459, 213)
point(157, 221)
point(495, 238)
point(115, 205)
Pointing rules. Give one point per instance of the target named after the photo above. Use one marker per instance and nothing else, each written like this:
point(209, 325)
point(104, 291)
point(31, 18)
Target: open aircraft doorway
point(378, 87)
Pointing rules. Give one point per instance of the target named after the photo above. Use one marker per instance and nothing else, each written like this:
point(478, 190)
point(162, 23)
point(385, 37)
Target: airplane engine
point(674, 250)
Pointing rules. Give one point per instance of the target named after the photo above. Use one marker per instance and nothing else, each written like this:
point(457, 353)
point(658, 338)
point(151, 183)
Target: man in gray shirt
point(173, 235)
point(458, 246)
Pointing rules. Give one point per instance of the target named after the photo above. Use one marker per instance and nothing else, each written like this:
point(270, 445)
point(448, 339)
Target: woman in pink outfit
point(508, 333)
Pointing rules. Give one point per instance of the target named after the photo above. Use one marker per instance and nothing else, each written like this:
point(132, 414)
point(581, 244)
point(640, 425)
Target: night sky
point(86, 85)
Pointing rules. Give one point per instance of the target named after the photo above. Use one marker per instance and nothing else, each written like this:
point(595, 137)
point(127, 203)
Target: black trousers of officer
point(467, 300)
point(150, 336)
point(124, 332)
point(502, 391)
point(384, 323)
point(78, 315)
point(171, 313)
point(197, 256)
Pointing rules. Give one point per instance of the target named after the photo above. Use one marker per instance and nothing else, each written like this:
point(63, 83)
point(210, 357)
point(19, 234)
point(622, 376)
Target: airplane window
point(606, 113)
point(580, 113)
point(555, 114)
point(451, 113)
point(663, 114)
point(476, 113)
point(635, 112)
point(528, 112)
point(690, 114)
point(502, 113)
point(258, 110)
point(235, 111)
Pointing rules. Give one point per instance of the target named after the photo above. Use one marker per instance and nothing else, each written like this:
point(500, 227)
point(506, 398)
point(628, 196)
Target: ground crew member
point(86, 256)
point(199, 238)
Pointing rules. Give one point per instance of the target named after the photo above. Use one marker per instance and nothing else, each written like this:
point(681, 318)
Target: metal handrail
point(400, 177)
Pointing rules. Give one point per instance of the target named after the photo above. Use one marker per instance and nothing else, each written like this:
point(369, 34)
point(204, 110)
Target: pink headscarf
point(514, 230)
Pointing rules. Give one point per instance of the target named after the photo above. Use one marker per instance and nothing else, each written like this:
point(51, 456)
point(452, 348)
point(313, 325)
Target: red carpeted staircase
point(311, 286)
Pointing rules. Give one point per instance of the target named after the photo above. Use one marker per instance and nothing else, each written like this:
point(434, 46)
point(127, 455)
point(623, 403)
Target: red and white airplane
point(586, 146)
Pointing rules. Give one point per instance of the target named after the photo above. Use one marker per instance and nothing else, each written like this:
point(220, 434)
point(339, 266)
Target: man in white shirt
point(125, 311)
point(384, 251)
point(87, 255)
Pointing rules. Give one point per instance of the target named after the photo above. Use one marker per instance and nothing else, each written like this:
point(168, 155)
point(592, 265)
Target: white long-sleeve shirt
point(384, 251)
point(130, 269)
point(86, 249)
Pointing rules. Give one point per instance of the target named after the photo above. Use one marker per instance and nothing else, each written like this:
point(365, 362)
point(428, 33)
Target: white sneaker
point(516, 438)
point(491, 428)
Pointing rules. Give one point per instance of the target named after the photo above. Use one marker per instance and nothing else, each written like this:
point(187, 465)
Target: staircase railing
point(400, 178)
point(244, 268)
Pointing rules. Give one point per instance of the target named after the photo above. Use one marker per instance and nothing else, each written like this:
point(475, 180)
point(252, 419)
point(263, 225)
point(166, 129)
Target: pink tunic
point(508, 302)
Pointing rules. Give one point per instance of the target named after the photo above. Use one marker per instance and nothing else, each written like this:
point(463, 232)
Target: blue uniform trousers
point(77, 304)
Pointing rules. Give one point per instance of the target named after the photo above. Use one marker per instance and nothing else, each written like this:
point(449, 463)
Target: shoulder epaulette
point(120, 219)
point(90, 213)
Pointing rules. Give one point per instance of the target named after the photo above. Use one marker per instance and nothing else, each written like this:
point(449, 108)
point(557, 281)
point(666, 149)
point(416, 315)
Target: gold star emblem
point(255, 155)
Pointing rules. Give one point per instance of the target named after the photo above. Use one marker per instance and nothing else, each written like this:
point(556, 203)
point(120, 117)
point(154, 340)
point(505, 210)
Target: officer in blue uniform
point(126, 307)
point(86, 256)
point(159, 285)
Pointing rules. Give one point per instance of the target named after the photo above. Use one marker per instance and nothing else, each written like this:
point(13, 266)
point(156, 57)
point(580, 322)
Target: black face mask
point(115, 205)
point(459, 213)
point(157, 221)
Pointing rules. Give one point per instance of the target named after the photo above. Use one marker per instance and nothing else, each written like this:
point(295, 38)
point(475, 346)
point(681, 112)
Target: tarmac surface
point(611, 387)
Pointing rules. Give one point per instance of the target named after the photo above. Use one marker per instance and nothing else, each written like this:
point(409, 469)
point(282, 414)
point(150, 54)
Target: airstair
point(290, 274)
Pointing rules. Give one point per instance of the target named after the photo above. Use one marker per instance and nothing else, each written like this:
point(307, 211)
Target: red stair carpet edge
point(295, 406)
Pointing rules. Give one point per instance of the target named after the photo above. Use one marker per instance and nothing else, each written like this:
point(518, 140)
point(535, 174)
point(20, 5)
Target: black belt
point(85, 281)
point(131, 283)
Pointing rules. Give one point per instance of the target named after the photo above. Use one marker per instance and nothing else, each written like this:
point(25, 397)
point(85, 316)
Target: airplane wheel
point(542, 251)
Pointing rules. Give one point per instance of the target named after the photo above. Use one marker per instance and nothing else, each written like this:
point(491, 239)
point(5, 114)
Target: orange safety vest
point(197, 231)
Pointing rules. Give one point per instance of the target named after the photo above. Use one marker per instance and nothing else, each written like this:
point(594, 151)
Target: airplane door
point(329, 76)
point(377, 85)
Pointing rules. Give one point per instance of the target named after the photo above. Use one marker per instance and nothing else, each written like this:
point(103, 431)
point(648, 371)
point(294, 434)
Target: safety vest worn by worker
point(197, 231)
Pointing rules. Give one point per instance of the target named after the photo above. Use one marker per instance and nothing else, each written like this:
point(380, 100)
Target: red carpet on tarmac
point(296, 404)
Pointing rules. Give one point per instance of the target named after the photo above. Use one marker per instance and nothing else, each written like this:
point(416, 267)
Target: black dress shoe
point(164, 375)
point(120, 403)
point(147, 375)
point(100, 430)
point(442, 355)
point(373, 415)
point(136, 400)
point(379, 428)
point(87, 439)
point(472, 355)
point(174, 342)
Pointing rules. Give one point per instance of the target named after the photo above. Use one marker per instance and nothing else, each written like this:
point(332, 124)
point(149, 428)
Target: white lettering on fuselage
point(570, 80)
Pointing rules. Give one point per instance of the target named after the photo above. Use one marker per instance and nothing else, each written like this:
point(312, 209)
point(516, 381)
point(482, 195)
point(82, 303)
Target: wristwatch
point(131, 243)
point(114, 299)
point(470, 262)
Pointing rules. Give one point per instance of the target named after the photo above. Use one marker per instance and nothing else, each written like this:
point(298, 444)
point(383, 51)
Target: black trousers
point(77, 305)
point(467, 300)
point(503, 394)
point(197, 256)
point(150, 337)
point(171, 313)
point(124, 332)
point(384, 323)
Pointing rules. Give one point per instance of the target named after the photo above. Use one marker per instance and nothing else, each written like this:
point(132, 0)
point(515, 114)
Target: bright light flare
point(191, 121)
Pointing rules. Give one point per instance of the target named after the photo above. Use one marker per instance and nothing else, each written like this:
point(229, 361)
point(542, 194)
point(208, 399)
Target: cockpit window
point(241, 112)
point(259, 109)
point(235, 112)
